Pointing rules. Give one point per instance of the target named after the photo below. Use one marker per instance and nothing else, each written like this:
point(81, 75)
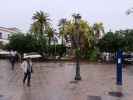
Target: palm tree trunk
point(49, 43)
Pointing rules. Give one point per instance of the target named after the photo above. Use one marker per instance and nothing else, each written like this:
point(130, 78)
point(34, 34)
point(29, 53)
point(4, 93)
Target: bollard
point(119, 67)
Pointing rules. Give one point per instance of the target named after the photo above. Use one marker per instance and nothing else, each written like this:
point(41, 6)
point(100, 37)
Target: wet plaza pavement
point(55, 81)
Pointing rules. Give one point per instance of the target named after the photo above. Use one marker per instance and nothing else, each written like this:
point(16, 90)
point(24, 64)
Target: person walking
point(27, 68)
point(12, 58)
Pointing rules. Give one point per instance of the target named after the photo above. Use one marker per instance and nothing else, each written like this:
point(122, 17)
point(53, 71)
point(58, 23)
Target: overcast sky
point(18, 13)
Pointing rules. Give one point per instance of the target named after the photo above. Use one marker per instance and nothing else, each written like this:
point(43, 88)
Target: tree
point(60, 50)
point(19, 42)
point(41, 46)
point(2, 46)
point(25, 43)
point(50, 34)
point(128, 40)
point(85, 32)
point(40, 24)
point(41, 30)
point(111, 42)
point(98, 30)
point(62, 24)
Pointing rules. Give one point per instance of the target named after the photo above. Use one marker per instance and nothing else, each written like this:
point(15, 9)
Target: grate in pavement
point(94, 98)
point(116, 94)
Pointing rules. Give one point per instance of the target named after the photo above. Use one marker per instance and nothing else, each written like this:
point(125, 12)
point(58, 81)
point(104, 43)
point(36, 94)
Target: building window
point(0, 35)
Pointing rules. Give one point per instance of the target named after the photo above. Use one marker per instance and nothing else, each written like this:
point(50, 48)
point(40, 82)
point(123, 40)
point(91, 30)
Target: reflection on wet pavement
point(94, 98)
point(55, 81)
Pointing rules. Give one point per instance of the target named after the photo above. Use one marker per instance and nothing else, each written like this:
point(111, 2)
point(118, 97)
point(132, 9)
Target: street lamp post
point(77, 18)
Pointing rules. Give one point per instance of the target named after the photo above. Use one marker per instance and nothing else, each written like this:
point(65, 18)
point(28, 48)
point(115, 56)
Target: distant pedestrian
point(107, 57)
point(27, 68)
point(12, 58)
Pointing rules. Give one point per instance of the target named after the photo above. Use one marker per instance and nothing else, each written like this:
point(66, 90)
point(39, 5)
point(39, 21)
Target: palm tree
point(62, 24)
point(38, 29)
point(85, 32)
point(40, 24)
point(50, 34)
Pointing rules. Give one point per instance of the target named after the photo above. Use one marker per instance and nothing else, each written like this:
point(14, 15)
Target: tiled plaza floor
point(55, 81)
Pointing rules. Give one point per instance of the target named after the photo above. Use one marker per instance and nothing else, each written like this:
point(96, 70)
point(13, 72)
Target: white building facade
point(5, 33)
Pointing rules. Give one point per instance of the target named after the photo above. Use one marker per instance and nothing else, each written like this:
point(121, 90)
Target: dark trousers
point(28, 77)
point(13, 62)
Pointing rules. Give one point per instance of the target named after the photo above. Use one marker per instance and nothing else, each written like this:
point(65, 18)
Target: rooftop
point(11, 30)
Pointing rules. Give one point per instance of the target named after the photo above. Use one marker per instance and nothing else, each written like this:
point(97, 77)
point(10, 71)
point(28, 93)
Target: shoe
point(23, 82)
point(28, 85)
